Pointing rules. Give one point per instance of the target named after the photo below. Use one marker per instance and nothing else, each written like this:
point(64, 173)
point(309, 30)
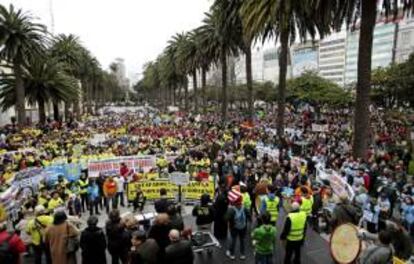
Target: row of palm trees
point(46, 69)
point(232, 26)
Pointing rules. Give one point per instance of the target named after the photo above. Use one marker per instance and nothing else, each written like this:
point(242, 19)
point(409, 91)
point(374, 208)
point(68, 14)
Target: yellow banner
point(151, 189)
point(398, 261)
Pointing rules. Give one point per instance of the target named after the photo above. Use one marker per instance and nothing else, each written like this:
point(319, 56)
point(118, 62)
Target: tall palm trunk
point(362, 119)
point(56, 115)
point(224, 99)
point(186, 95)
point(249, 80)
point(89, 90)
point(42, 110)
point(67, 111)
point(283, 61)
point(203, 88)
point(173, 94)
point(195, 91)
point(20, 95)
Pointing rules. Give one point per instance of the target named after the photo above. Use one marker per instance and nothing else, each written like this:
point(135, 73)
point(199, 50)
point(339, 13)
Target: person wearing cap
point(204, 213)
point(293, 234)
point(180, 250)
point(93, 242)
point(36, 228)
point(270, 204)
point(237, 216)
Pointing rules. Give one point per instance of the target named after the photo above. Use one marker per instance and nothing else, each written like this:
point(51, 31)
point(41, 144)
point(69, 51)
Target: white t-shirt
point(119, 184)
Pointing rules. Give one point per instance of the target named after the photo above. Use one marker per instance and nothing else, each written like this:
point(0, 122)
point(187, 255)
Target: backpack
point(239, 218)
point(41, 228)
point(6, 256)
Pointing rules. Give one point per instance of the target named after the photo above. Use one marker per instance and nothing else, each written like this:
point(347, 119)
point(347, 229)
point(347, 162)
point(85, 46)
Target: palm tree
point(231, 10)
point(204, 59)
point(44, 79)
point(187, 54)
point(366, 11)
point(20, 39)
point(67, 49)
point(176, 43)
point(222, 43)
point(285, 20)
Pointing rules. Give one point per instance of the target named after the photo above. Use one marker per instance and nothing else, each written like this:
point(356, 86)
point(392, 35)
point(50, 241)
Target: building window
point(333, 42)
point(331, 67)
point(332, 73)
point(334, 54)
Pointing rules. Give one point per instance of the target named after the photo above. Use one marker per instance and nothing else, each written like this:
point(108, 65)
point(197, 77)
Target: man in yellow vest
point(293, 234)
point(36, 228)
point(307, 202)
point(270, 204)
point(83, 183)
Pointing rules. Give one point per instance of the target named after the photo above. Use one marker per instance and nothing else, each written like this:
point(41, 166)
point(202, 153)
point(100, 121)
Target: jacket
point(161, 205)
point(146, 253)
point(204, 214)
point(377, 254)
point(115, 234)
point(93, 245)
point(265, 237)
point(179, 253)
point(37, 226)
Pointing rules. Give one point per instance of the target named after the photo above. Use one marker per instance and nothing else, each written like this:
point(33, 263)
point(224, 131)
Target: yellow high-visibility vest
point(297, 228)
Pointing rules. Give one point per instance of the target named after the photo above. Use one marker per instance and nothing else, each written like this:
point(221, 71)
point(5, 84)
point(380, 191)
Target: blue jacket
point(93, 192)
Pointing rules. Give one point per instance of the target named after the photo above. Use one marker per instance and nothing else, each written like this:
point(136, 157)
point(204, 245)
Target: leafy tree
point(20, 40)
point(310, 87)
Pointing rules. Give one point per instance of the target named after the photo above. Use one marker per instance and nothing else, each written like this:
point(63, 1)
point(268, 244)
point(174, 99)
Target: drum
point(345, 244)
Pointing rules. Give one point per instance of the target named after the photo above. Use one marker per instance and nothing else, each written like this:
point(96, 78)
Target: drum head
point(345, 245)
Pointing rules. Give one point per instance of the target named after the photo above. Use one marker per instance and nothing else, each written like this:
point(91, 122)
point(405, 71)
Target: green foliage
point(392, 85)
point(312, 88)
point(44, 79)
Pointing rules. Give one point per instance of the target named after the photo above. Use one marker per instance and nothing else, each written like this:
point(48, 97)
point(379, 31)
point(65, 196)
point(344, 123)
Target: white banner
point(320, 128)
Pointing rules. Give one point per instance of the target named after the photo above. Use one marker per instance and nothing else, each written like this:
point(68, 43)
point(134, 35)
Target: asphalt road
point(314, 251)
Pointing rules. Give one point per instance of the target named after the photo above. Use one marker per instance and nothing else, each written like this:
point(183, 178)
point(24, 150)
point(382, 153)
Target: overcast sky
point(136, 30)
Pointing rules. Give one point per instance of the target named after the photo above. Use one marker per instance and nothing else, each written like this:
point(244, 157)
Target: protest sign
point(112, 165)
point(72, 171)
point(320, 128)
point(179, 178)
point(271, 152)
point(97, 139)
point(151, 189)
point(338, 184)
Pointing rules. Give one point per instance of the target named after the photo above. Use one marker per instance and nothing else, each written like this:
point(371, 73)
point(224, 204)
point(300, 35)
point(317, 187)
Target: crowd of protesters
point(289, 189)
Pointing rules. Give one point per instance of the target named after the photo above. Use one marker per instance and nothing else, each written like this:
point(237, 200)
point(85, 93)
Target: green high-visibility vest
point(297, 228)
point(272, 208)
point(306, 206)
point(247, 203)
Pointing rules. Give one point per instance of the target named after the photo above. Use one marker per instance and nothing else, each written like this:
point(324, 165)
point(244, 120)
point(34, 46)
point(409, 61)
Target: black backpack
point(6, 256)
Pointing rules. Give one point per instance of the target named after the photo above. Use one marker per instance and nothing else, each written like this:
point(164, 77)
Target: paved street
point(315, 250)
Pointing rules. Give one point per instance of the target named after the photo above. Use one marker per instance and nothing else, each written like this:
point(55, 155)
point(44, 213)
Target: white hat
point(295, 206)
point(39, 209)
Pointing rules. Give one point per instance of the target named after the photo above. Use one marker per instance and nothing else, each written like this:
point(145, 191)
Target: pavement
point(314, 251)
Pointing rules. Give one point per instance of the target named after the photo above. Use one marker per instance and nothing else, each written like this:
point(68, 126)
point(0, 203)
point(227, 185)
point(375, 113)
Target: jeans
point(110, 200)
point(264, 259)
point(93, 203)
point(234, 234)
point(84, 201)
point(120, 199)
point(293, 248)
